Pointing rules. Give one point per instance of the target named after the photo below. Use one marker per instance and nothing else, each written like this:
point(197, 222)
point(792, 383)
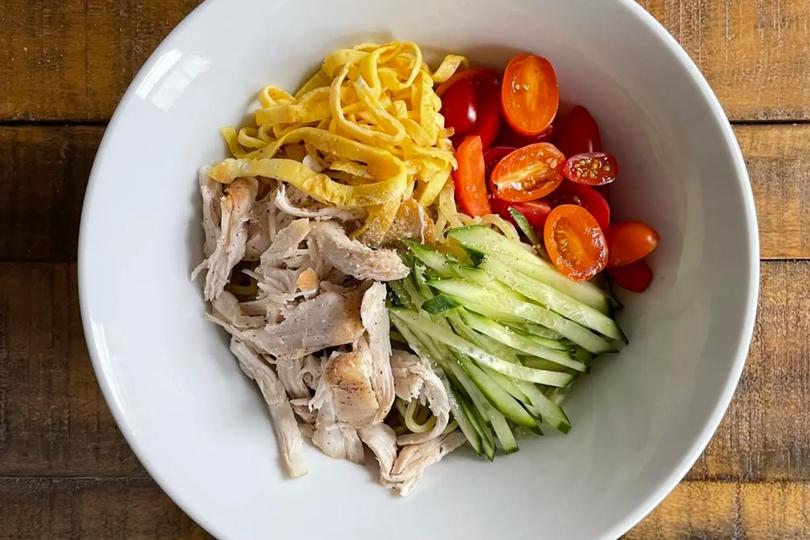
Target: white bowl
point(640, 419)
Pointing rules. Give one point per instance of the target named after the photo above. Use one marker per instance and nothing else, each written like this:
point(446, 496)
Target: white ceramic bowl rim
point(709, 426)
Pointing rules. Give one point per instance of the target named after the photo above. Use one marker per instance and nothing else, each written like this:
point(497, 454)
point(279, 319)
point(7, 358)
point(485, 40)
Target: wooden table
point(65, 470)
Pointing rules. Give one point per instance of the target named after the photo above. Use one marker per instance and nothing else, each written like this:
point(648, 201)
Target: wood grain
point(730, 510)
point(78, 508)
point(34, 508)
point(73, 59)
point(754, 53)
point(43, 174)
point(53, 419)
point(765, 434)
point(778, 160)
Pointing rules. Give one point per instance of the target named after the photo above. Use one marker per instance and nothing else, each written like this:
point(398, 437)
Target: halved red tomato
point(471, 104)
point(529, 94)
point(591, 168)
point(584, 196)
point(494, 155)
point(469, 179)
point(630, 241)
point(578, 133)
point(528, 173)
point(574, 242)
point(635, 277)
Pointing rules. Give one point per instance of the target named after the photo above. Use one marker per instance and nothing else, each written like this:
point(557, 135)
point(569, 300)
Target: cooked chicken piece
point(291, 374)
point(312, 371)
point(382, 440)
point(317, 211)
point(211, 191)
point(300, 407)
point(278, 285)
point(328, 320)
point(414, 380)
point(227, 307)
point(291, 445)
point(354, 258)
point(261, 227)
point(375, 320)
point(285, 244)
point(414, 459)
point(346, 384)
point(230, 247)
point(336, 439)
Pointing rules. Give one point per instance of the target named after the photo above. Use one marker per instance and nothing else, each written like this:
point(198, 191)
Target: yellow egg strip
point(370, 118)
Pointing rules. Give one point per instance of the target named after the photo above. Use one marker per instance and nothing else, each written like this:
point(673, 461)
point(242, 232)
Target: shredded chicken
point(354, 258)
point(346, 383)
point(291, 445)
point(414, 380)
point(413, 460)
point(382, 441)
point(230, 247)
point(327, 320)
point(227, 307)
point(312, 329)
point(375, 320)
point(211, 191)
point(284, 204)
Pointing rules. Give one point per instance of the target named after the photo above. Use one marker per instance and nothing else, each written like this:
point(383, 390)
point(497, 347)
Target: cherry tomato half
point(578, 133)
point(574, 242)
point(536, 212)
point(494, 155)
point(635, 277)
point(630, 241)
point(591, 168)
point(529, 94)
point(469, 179)
point(471, 104)
point(584, 196)
point(528, 173)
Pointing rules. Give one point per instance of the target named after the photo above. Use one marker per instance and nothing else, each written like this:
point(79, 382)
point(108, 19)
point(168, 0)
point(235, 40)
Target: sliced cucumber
point(538, 331)
point(509, 337)
point(492, 243)
point(525, 227)
point(500, 399)
point(553, 299)
point(464, 422)
point(504, 433)
point(433, 259)
point(513, 305)
point(439, 304)
point(450, 339)
point(482, 429)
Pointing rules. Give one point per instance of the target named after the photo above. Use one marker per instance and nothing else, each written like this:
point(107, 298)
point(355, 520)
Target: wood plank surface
point(730, 510)
point(43, 174)
point(53, 419)
point(88, 508)
point(754, 53)
point(73, 59)
point(55, 508)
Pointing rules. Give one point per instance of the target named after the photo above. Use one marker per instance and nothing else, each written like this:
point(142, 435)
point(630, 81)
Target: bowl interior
point(640, 418)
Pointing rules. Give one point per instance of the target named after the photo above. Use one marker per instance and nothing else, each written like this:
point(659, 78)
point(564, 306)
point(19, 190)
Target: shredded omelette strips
point(369, 118)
